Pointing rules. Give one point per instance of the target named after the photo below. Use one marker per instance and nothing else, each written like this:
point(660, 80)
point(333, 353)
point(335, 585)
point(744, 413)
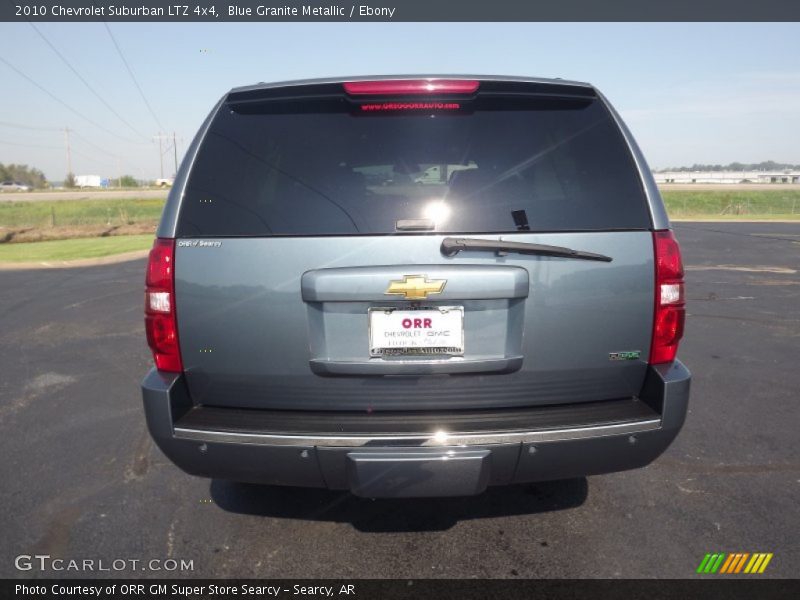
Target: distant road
point(133, 193)
point(82, 195)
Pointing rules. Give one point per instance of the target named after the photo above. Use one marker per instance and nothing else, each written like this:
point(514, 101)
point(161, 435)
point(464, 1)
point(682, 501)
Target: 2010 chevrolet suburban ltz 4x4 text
point(326, 309)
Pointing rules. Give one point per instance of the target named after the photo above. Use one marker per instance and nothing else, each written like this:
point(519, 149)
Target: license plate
point(424, 332)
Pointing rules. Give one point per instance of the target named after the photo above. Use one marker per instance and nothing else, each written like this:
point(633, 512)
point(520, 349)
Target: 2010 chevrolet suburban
point(321, 316)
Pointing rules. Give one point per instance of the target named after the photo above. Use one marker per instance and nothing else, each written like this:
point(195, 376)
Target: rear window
point(490, 165)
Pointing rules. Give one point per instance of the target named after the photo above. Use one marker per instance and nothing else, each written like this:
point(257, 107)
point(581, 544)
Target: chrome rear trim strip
point(437, 439)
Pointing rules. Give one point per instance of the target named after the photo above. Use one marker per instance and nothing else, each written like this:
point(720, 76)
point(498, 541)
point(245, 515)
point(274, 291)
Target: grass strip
point(66, 213)
point(73, 249)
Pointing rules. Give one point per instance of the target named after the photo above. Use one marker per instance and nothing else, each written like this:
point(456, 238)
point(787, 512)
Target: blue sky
point(690, 92)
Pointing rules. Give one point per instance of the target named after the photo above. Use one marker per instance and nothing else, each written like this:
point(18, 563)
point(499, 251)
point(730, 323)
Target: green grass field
point(775, 204)
point(74, 249)
point(71, 213)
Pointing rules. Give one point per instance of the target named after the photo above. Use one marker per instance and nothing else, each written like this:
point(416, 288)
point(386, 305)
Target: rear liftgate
point(423, 332)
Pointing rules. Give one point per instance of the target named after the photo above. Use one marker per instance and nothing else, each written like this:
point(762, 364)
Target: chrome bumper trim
point(427, 439)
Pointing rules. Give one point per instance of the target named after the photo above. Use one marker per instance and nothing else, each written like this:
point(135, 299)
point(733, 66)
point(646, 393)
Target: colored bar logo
point(734, 563)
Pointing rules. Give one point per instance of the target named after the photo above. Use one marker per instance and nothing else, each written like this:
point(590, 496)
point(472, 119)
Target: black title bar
point(390, 589)
point(399, 10)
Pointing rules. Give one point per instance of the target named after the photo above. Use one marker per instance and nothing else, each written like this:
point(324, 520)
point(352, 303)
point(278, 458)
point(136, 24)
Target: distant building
point(727, 177)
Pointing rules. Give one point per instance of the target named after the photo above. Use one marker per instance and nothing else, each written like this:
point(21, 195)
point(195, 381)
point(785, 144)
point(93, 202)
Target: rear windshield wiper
point(452, 246)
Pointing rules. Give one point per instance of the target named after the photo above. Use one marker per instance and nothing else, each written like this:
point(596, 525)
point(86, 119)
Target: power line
point(86, 83)
point(69, 154)
point(161, 152)
point(31, 127)
point(133, 77)
point(61, 102)
point(60, 129)
point(80, 137)
point(94, 159)
point(110, 157)
point(69, 149)
point(92, 144)
point(175, 153)
point(5, 143)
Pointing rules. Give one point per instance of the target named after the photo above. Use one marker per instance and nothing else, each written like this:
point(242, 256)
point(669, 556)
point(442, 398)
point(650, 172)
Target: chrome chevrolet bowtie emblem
point(416, 287)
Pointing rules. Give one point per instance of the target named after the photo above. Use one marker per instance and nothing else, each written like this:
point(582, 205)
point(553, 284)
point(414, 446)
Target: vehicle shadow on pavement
point(397, 515)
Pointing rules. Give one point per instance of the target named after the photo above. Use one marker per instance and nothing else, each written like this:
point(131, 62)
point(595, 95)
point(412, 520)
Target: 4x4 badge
point(627, 355)
point(415, 287)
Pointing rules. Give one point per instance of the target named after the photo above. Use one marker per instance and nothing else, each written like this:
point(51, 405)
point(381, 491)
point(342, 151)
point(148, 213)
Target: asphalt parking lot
point(81, 478)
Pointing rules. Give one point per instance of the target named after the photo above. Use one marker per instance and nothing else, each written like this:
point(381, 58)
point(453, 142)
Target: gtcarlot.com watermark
point(45, 562)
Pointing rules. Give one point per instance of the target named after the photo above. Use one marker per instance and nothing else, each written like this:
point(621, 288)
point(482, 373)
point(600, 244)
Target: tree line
point(34, 178)
point(768, 165)
point(23, 174)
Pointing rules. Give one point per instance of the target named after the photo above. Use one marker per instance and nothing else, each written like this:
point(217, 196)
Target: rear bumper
point(438, 462)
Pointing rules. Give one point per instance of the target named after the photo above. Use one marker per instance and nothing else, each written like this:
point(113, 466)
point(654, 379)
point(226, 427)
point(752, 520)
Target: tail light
point(159, 308)
point(670, 313)
point(410, 87)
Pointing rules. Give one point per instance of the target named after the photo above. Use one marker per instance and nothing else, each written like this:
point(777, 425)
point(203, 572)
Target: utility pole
point(175, 152)
point(119, 173)
point(160, 137)
point(160, 156)
point(69, 155)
